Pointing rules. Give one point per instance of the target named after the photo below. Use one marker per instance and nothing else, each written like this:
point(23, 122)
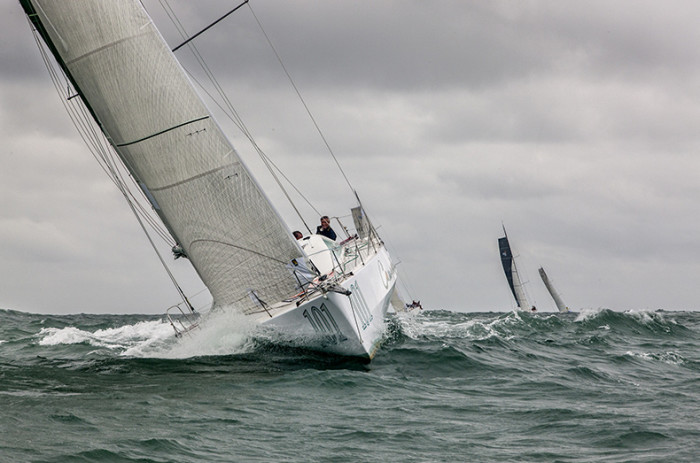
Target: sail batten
point(182, 182)
point(120, 145)
point(166, 137)
point(102, 48)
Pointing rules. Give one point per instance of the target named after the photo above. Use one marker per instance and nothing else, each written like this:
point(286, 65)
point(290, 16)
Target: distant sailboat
point(557, 299)
point(512, 275)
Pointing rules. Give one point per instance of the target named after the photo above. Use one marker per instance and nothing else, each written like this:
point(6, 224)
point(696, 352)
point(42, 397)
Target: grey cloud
point(575, 124)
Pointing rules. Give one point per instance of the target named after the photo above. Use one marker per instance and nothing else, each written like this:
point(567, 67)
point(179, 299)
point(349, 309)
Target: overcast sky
point(575, 124)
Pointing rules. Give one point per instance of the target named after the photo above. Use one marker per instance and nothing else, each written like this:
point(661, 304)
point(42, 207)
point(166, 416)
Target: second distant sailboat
point(557, 299)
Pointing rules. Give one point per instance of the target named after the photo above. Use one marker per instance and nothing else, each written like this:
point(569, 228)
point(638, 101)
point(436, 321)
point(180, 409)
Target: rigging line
point(160, 257)
point(233, 114)
point(269, 164)
point(86, 130)
point(114, 161)
point(239, 123)
point(291, 184)
point(202, 63)
point(91, 138)
point(202, 240)
point(308, 111)
point(101, 152)
point(266, 161)
point(148, 216)
point(201, 306)
point(235, 118)
point(133, 206)
point(73, 114)
point(122, 188)
point(208, 27)
point(80, 124)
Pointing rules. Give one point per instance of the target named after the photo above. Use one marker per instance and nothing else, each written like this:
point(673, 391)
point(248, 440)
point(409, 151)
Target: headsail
point(144, 103)
point(511, 272)
point(557, 299)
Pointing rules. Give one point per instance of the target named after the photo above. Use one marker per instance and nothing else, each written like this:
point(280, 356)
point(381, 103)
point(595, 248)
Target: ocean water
point(594, 386)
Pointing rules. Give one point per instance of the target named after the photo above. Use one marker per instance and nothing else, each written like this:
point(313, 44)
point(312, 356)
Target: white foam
point(587, 314)
point(417, 326)
point(671, 358)
point(112, 338)
point(646, 316)
point(219, 333)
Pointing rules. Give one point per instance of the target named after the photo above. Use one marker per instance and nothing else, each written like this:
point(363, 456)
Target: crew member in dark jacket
point(325, 228)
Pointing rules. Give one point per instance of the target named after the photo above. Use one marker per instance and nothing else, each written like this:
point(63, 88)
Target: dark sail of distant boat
point(511, 271)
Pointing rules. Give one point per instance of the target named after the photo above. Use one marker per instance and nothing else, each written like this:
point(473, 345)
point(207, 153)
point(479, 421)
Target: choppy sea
point(594, 386)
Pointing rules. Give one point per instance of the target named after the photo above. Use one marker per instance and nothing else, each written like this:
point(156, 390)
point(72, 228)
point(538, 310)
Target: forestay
point(145, 104)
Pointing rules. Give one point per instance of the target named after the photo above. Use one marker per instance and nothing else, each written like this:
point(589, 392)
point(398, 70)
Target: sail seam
point(109, 45)
point(203, 174)
point(162, 132)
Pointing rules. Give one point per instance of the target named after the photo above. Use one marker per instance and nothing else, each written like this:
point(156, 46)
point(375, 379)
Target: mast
point(141, 98)
point(511, 271)
point(557, 299)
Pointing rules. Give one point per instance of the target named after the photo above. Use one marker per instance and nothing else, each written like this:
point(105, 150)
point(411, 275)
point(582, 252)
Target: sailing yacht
point(553, 292)
point(329, 296)
point(512, 275)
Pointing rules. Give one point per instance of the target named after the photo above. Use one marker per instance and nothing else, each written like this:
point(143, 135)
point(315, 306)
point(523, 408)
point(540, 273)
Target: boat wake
point(461, 341)
point(119, 338)
point(220, 333)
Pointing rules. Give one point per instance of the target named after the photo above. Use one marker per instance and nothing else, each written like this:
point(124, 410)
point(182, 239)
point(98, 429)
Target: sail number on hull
point(359, 305)
point(323, 322)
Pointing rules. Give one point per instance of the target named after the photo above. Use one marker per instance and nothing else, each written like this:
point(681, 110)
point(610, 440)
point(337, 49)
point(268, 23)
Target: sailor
point(297, 234)
point(325, 228)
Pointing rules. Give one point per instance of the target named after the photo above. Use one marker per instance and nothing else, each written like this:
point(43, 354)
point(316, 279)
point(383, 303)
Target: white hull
point(349, 325)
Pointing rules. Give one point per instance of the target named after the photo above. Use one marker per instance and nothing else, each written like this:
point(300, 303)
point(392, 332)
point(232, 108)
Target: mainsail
point(511, 272)
point(143, 101)
point(557, 299)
